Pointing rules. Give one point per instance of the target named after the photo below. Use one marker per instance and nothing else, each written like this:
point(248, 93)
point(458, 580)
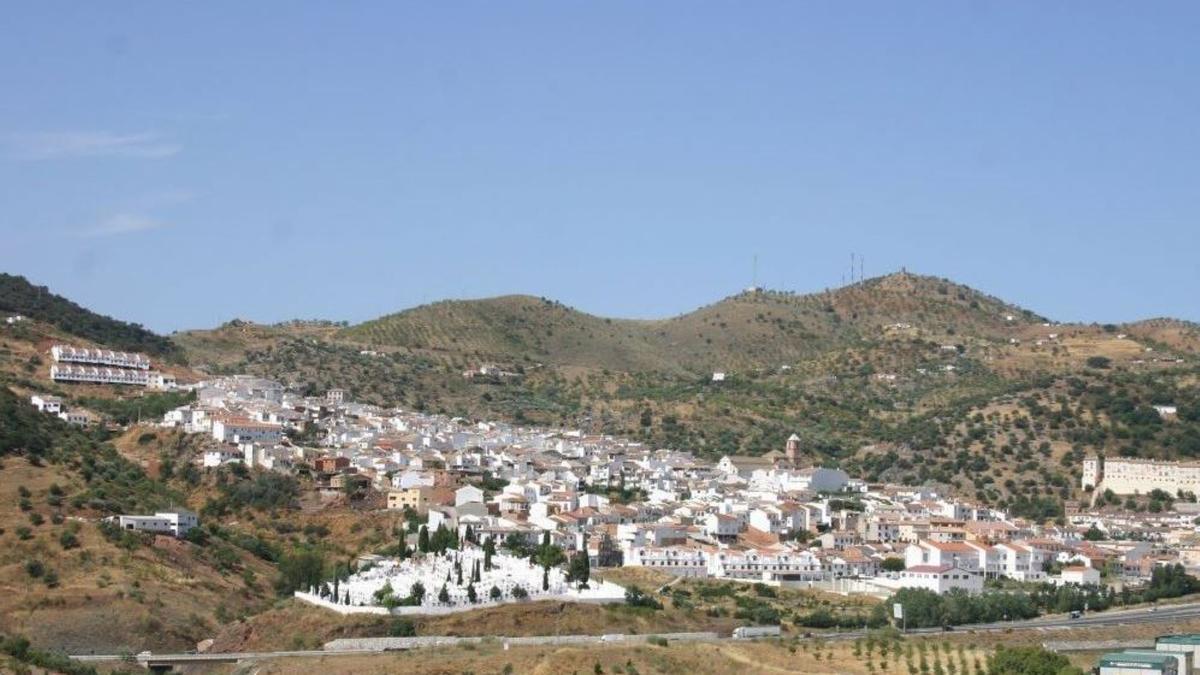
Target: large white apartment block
point(766, 565)
point(99, 357)
point(65, 372)
point(681, 561)
point(98, 375)
point(1127, 476)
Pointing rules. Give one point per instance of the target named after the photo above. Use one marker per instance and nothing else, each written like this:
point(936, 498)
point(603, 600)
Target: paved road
point(1161, 614)
point(1116, 617)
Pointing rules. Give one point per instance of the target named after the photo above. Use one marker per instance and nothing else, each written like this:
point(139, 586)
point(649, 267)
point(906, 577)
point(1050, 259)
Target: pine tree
point(444, 595)
point(489, 549)
point(423, 539)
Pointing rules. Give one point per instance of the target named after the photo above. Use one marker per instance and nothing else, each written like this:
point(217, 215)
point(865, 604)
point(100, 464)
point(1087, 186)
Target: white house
point(220, 456)
point(1020, 562)
point(176, 523)
point(75, 417)
point(941, 578)
point(245, 430)
point(46, 404)
point(721, 526)
point(1080, 575)
point(939, 554)
point(468, 494)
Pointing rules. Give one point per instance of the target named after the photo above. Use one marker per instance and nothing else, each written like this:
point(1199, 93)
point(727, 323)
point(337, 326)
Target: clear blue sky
point(183, 164)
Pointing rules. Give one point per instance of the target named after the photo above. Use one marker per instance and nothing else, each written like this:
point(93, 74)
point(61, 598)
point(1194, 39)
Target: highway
point(1160, 614)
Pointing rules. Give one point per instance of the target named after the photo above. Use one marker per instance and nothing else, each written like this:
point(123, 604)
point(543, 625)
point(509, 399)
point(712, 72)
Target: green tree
point(579, 570)
point(1029, 661)
point(416, 594)
point(300, 570)
point(489, 550)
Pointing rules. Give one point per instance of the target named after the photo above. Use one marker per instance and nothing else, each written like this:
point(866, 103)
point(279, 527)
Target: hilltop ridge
point(18, 295)
point(749, 329)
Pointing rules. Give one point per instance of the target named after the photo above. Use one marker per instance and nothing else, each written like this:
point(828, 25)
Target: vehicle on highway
point(1076, 614)
point(750, 632)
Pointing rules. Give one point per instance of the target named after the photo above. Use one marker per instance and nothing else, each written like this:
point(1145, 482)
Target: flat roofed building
point(176, 523)
point(99, 357)
point(1142, 663)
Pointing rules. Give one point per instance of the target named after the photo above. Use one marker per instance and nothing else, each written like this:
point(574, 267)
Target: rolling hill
point(18, 296)
point(751, 329)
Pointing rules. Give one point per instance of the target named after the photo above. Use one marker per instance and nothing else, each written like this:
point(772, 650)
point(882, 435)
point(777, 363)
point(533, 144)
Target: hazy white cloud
point(72, 144)
point(124, 223)
point(139, 214)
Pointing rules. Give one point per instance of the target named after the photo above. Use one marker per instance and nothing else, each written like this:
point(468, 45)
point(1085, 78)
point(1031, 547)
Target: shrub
point(35, 568)
point(1029, 661)
point(402, 627)
point(635, 597)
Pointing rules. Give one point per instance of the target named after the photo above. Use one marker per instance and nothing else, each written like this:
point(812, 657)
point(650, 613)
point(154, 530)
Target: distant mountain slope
point(19, 296)
point(752, 329)
point(1173, 333)
point(518, 328)
point(231, 340)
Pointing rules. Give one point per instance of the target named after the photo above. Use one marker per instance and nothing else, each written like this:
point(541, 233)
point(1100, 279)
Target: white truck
point(751, 632)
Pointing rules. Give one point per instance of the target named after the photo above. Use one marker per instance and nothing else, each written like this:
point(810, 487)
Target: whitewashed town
point(770, 519)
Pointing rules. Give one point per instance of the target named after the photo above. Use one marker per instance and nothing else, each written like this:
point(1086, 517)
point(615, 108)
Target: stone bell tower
point(792, 449)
